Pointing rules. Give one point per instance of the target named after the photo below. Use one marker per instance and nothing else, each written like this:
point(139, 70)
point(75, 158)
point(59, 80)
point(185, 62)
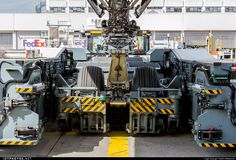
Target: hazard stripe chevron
point(70, 110)
point(218, 145)
point(168, 101)
point(24, 90)
point(27, 143)
point(89, 101)
point(166, 111)
point(142, 105)
point(70, 99)
point(95, 106)
point(212, 92)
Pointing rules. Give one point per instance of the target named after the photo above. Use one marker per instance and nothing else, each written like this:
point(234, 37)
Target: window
point(193, 9)
point(230, 9)
point(57, 9)
point(173, 9)
point(153, 9)
point(77, 9)
point(213, 9)
point(6, 40)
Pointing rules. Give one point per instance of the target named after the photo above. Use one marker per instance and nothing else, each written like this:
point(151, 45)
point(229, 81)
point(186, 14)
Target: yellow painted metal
point(163, 111)
point(118, 74)
point(66, 110)
point(96, 32)
point(24, 90)
point(13, 142)
point(21, 143)
point(148, 109)
point(28, 143)
point(207, 145)
point(223, 145)
point(161, 101)
point(72, 110)
point(215, 91)
point(30, 90)
point(100, 108)
point(231, 145)
point(207, 92)
point(215, 145)
point(5, 142)
point(118, 146)
point(95, 106)
point(118, 103)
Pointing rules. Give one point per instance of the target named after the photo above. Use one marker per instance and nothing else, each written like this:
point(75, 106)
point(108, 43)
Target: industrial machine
point(226, 54)
point(159, 91)
point(27, 81)
point(95, 40)
point(209, 86)
point(117, 90)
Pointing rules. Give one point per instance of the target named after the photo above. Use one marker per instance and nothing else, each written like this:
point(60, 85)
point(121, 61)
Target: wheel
point(65, 125)
point(145, 77)
point(91, 76)
point(172, 127)
point(160, 126)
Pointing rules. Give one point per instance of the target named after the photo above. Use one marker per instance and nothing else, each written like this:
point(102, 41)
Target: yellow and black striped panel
point(88, 101)
point(24, 90)
point(168, 101)
point(218, 145)
point(70, 110)
point(70, 99)
point(212, 92)
point(166, 111)
point(97, 106)
point(19, 143)
point(142, 105)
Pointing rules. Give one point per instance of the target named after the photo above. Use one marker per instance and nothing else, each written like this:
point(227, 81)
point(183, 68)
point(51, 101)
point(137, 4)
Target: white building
point(192, 20)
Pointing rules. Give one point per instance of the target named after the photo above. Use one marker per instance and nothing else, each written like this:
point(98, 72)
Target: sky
point(18, 6)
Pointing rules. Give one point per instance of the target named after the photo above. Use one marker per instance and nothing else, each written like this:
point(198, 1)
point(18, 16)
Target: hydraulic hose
point(25, 79)
point(233, 112)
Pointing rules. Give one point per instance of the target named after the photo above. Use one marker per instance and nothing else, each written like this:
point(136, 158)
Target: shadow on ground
point(176, 146)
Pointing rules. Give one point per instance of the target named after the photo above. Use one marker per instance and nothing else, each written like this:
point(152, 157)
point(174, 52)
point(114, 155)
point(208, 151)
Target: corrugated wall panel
point(196, 38)
point(174, 3)
point(213, 3)
point(229, 2)
point(155, 3)
point(194, 3)
point(164, 35)
point(77, 3)
point(6, 40)
point(57, 3)
point(228, 38)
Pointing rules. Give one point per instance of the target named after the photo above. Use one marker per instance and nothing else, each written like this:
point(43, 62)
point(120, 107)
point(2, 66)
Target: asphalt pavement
point(56, 144)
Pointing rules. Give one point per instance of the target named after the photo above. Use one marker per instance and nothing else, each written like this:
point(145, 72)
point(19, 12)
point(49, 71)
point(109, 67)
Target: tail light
point(233, 72)
point(233, 67)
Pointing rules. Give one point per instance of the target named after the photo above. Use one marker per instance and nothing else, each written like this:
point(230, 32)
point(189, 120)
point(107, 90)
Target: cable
point(232, 118)
point(25, 79)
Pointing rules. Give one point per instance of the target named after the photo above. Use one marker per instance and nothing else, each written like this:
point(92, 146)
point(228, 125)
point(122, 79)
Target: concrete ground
point(55, 144)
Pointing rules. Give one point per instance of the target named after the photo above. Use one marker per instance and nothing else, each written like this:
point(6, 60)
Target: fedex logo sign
point(32, 43)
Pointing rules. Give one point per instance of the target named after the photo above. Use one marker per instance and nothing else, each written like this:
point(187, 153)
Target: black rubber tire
point(65, 125)
point(91, 76)
point(145, 77)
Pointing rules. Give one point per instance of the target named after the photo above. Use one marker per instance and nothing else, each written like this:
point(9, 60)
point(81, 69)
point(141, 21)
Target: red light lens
point(211, 129)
